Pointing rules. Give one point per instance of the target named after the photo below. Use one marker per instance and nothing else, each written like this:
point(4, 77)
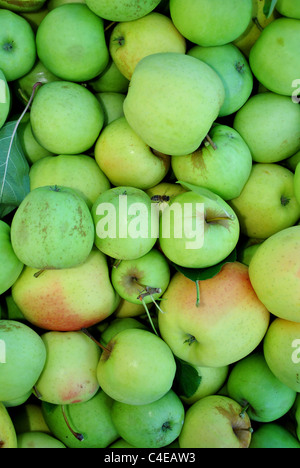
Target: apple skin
point(273, 435)
point(274, 56)
point(233, 68)
point(18, 54)
point(11, 266)
point(267, 203)
point(212, 380)
point(128, 309)
point(297, 183)
point(5, 99)
point(289, 8)
point(122, 10)
point(32, 150)
point(274, 273)
point(8, 438)
point(130, 41)
point(224, 170)
point(67, 299)
point(29, 417)
point(153, 425)
point(112, 104)
point(228, 308)
point(111, 80)
point(38, 440)
point(137, 368)
point(251, 382)
point(215, 422)
point(162, 107)
point(22, 5)
point(211, 23)
point(260, 124)
point(117, 325)
point(165, 191)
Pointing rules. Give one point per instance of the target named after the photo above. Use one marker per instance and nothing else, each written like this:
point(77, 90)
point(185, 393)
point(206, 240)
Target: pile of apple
point(119, 329)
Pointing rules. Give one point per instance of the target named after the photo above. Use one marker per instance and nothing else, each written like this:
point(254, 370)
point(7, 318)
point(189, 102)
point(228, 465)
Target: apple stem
point(38, 273)
point(211, 142)
point(246, 407)
point(149, 316)
point(198, 293)
point(37, 393)
point(75, 434)
point(257, 23)
point(87, 333)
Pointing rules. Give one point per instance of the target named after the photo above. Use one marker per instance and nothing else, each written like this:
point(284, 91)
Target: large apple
point(130, 41)
point(274, 273)
point(289, 8)
point(233, 68)
point(17, 45)
point(211, 23)
point(38, 440)
point(77, 57)
point(11, 267)
point(122, 10)
point(5, 99)
point(172, 101)
point(270, 137)
point(267, 203)
point(224, 169)
point(274, 58)
point(112, 104)
point(228, 323)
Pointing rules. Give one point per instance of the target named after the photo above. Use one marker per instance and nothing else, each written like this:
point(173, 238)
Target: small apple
point(295, 416)
point(165, 192)
point(128, 309)
point(8, 436)
point(112, 104)
point(5, 99)
point(122, 10)
point(38, 440)
point(117, 325)
point(215, 421)
point(297, 183)
point(32, 150)
point(289, 8)
point(273, 435)
point(111, 80)
point(29, 417)
point(17, 45)
point(169, 113)
point(11, 267)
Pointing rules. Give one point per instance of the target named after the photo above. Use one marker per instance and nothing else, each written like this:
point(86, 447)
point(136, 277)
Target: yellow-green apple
point(126, 227)
point(111, 80)
point(269, 137)
point(233, 68)
point(281, 349)
point(137, 367)
point(297, 183)
point(112, 104)
point(273, 435)
point(91, 419)
point(52, 228)
point(5, 99)
point(152, 425)
point(38, 440)
point(223, 168)
point(165, 191)
point(165, 110)
point(122, 10)
point(29, 417)
point(18, 401)
point(126, 159)
point(67, 299)
point(80, 172)
point(22, 5)
point(274, 273)
point(118, 324)
point(127, 309)
point(274, 56)
point(66, 118)
point(228, 307)
point(32, 150)
point(211, 23)
point(35, 18)
point(22, 361)
point(78, 57)
point(18, 46)
point(215, 421)
point(8, 436)
point(247, 250)
point(289, 8)
point(69, 374)
point(130, 41)
point(198, 230)
point(11, 267)
point(267, 203)
point(252, 384)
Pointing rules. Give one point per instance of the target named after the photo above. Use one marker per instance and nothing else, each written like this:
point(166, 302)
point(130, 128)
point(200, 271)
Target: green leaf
point(14, 170)
point(269, 7)
point(187, 379)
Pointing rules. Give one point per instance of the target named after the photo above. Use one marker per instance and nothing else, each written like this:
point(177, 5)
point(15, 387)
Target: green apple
point(92, 419)
point(29, 417)
point(52, 228)
point(121, 444)
point(111, 80)
point(267, 203)
point(56, 3)
point(228, 323)
point(130, 41)
point(233, 68)
point(247, 250)
point(289, 8)
point(297, 183)
point(223, 169)
point(80, 172)
point(274, 273)
point(112, 104)
point(32, 150)
point(281, 351)
point(12, 310)
point(77, 57)
point(172, 101)
point(23, 359)
point(5, 99)
point(252, 384)
point(11, 266)
point(17, 45)
point(8, 436)
point(295, 416)
point(198, 231)
point(38, 440)
point(122, 10)
point(153, 425)
point(274, 56)
point(22, 5)
point(211, 23)
point(69, 375)
point(273, 435)
point(66, 118)
point(292, 162)
point(136, 368)
point(18, 401)
point(270, 137)
point(127, 309)
point(34, 18)
point(215, 422)
point(145, 278)
point(125, 226)
point(119, 324)
point(67, 299)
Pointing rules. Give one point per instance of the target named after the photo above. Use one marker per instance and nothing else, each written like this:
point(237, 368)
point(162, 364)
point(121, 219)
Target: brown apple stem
point(77, 435)
point(245, 409)
point(198, 293)
point(211, 142)
point(87, 333)
point(38, 273)
point(109, 25)
point(37, 393)
point(257, 23)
